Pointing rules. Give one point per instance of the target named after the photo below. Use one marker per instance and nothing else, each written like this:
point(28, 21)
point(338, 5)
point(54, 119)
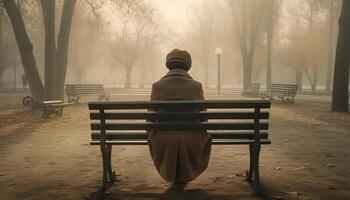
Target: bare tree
point(247, 16)
point(137, 31)
point(26, 49)
point(2, 57)
point(340, 97)
point(333, 8)
point(311, 31)
point(202, 19)
point(270, 21)
point(55, 71)
point(49, 10)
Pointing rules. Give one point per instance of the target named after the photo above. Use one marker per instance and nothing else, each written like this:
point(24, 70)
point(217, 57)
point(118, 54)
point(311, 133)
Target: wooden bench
point(233, 122)
point(75, 91)
point(286, 92)
point(48, 107)
point(252, 90)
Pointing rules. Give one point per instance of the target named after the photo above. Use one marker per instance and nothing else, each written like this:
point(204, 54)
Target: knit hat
point(178, 56)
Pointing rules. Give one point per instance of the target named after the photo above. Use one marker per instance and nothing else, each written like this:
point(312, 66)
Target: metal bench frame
point(286, 92)
point(75, 91)
point(251, 131)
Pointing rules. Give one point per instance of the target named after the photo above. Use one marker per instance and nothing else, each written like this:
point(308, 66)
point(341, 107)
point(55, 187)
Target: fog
point(112, 38)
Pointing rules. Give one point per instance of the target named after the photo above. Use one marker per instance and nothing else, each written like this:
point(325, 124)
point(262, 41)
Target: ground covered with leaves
point(52, 159)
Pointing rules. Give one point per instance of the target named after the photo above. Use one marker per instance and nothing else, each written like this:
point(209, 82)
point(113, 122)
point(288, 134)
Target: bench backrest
point(84, 89)
point(284, 89)
point(224, 119)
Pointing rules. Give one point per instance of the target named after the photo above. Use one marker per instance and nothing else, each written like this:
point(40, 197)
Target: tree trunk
point(26, 50)
point(247, 73)
point(330, 46)
point(62, 46)
point(299, 79)
point(50, 49)
point(2, 57)
point(206, 74)
point(340, 96)
point(268, 60)
point(128, 77)
point(314, 78)
point(269, 35)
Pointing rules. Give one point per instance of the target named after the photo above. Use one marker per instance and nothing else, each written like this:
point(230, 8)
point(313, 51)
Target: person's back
point(179, 156)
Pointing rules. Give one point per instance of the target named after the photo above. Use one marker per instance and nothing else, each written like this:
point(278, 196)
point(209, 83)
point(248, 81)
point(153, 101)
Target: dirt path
point(51, 159)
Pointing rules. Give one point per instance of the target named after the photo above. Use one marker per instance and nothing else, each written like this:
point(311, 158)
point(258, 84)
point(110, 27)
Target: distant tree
point(311, 30)
point(270, 21)
point(202, 19)
point(247, 15)
point(340, 96)
point(2, 57)
point(137, 30)
point(333, 8)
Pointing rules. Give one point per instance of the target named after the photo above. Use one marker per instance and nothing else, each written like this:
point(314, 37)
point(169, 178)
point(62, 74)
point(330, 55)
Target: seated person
point(179, 156)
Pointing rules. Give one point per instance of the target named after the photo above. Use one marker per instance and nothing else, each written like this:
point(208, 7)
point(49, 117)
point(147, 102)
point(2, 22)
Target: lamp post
point(218, 52)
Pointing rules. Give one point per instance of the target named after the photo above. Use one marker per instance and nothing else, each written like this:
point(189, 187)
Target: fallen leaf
point(292, 193)
point(125, 189)
point(308, 181)
point(299, 168)
point(330, 165)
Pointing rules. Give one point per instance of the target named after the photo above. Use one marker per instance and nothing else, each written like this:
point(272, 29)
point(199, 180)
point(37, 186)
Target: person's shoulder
point(157, 84)
point(197, 83)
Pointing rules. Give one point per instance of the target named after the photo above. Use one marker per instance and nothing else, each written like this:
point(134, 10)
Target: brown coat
point(179, 156)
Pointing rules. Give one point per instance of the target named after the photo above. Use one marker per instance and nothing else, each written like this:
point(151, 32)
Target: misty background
point(125, 44)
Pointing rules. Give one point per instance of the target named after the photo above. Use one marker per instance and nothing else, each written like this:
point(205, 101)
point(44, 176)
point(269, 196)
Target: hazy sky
point(175, 12)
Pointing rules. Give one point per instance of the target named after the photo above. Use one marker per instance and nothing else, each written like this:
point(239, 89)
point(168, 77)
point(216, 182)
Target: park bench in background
point(75, 91)
point(286, 92)
point(48, 107)
point(252, 90)
point(27, 101)
point(230, 122)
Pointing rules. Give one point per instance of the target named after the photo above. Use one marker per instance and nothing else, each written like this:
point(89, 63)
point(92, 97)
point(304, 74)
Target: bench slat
point(179, 115)
point(144, 135)
point(180, 126)
point(180, 104)
point(214, 141)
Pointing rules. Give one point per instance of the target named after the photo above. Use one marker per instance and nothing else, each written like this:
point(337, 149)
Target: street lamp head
point(218, 51)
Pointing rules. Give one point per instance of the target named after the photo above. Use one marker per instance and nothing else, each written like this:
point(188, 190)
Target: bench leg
point(70, 99)
point(108, 177)
point(249, 173)
point(76, 99)
point(253, 172)
point(256, 162)
point(292, 100)
point(46, 112)
point(111, 174)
